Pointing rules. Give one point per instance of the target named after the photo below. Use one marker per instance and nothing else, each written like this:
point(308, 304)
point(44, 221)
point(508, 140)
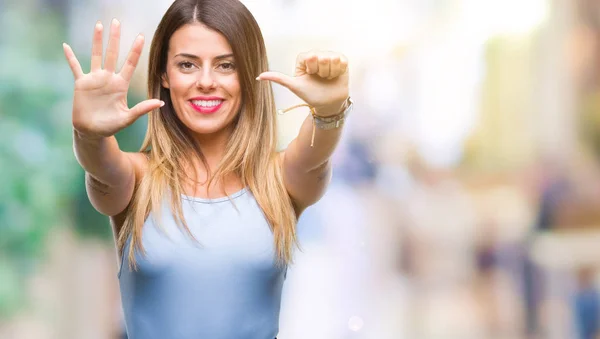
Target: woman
point(204, 215)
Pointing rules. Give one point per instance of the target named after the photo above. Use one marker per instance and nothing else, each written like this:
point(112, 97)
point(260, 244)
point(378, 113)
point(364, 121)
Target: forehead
point(199, 40)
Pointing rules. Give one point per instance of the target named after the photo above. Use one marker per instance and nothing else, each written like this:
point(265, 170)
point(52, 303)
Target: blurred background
point(466, 191)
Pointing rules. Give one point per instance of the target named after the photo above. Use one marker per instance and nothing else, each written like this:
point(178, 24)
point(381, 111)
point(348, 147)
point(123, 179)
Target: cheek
point(233, 87)
point(180, 83)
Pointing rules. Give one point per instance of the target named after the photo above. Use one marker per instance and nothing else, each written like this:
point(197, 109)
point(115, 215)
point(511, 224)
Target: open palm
point(100, 97)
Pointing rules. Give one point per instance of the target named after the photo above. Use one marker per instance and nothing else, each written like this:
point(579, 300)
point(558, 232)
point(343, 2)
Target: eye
point(185, 65)
point(227, 66)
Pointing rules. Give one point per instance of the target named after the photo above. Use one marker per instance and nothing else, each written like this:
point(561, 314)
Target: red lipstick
point(211, 106)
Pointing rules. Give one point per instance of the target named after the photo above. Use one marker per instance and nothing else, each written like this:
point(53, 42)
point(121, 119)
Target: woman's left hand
point(320, 79)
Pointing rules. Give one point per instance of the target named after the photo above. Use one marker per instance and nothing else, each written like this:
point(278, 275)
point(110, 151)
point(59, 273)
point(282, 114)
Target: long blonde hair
point(251, 150)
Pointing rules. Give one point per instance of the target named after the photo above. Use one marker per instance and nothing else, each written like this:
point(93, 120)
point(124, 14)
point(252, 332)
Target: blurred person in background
point(569, 197)
point(553, 185)
point(587, 304)
point(204, 215)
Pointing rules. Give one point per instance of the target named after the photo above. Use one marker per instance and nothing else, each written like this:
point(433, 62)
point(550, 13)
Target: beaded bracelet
point(322, 122)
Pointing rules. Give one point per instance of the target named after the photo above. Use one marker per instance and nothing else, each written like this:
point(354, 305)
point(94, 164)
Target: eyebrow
point(192, 56)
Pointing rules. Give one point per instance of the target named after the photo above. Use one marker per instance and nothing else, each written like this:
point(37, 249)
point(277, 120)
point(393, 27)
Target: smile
point(206, 106)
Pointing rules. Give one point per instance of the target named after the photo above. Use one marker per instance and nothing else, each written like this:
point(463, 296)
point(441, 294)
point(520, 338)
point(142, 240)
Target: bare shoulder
point(140, 163)
point(281, 155)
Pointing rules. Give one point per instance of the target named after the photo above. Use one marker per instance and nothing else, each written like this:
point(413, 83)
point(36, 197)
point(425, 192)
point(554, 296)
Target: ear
point(164, 80)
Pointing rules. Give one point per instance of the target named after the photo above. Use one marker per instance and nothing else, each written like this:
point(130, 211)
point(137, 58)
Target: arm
point(321, 80)
point(100, 110)
point(109, 173)
point(307, 170)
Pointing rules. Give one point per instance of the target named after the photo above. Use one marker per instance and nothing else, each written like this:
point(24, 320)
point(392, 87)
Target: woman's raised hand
point(100, 97)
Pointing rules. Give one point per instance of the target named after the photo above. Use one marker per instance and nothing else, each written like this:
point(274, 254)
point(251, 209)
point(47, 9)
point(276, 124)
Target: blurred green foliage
point(37, 165)
point(41, 184)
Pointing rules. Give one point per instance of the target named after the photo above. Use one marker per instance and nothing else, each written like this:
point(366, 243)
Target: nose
point(206, 80)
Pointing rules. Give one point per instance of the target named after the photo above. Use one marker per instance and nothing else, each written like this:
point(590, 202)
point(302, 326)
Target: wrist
point(86, 137)
point(331, 109)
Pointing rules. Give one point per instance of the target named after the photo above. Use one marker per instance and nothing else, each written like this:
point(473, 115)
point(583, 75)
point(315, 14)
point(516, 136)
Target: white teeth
point(207, 103)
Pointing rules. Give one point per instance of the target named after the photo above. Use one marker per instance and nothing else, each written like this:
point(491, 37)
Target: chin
point(206, 128)
point(207, 125)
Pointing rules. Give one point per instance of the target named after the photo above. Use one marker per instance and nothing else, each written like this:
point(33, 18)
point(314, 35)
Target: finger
point(324, 66)
point(97, 48)
point(73, 62)
point(301, 64)
point(145, 107)
point(133, 58)
point(335, 67)
point(312, 64)
point(112, 51)
point(343, 64)
point(279, 78)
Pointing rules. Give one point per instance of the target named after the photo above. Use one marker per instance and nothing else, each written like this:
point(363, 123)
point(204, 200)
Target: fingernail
point(258, 78)
point(98, 24)
point(162, 103)
point(115, 21)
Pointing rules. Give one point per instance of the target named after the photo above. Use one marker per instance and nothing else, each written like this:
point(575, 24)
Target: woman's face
point(202, 78)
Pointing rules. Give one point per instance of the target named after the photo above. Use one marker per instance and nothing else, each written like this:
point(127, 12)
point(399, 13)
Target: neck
point(213, 147)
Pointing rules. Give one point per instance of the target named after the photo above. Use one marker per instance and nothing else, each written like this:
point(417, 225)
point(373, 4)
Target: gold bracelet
point(328, 122)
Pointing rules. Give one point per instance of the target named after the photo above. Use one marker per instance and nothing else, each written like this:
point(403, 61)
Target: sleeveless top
point(223, 285)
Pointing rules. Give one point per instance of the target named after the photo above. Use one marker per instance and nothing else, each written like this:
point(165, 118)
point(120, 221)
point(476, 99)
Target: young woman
point(204, 214)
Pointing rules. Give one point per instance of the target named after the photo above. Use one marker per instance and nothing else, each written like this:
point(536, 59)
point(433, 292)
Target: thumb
point(278, 78)
point(146, 106)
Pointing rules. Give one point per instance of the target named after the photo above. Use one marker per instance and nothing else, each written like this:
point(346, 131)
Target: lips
point(206, 106)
